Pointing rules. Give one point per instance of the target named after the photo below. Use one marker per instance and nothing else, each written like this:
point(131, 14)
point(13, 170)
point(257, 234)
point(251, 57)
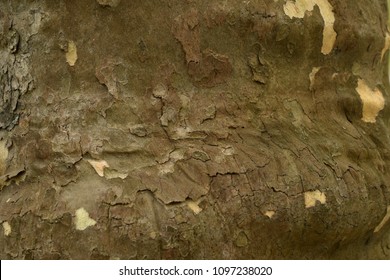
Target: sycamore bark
point(194, 129)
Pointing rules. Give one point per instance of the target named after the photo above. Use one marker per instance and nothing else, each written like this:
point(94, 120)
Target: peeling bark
point(194, 130)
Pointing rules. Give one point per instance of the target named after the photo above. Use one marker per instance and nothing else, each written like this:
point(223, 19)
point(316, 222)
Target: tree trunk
point(194, 129)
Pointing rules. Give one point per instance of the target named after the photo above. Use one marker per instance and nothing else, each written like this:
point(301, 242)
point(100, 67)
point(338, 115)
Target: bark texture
point(194, 129)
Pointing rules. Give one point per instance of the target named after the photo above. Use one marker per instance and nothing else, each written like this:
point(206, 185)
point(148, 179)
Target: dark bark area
point(194, 129)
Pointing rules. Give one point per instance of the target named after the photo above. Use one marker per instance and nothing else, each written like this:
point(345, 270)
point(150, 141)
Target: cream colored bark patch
point(71, 53)
point(153, 235)
point(7, 228)
point(312, 197)
point(228, 151)
point(386, 46)
point(298, 9)
point(269, 214)
point(194, 207)
point(182, 133)
point(373, 101)
point(3, 156)
point(385, 219)
point(312, 76)
point(160, 91)
point(165, 168)
point(99, 166)
point(82, 219)
point(169, 166)
point(103, 169)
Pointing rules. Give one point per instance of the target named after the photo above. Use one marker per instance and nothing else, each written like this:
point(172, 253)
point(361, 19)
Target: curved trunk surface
point(194, 129)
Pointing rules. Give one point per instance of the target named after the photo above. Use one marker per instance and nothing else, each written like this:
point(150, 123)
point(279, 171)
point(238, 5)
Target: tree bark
point(194, 129)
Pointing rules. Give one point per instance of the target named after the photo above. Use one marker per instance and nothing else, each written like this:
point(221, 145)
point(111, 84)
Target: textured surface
point(194, 129)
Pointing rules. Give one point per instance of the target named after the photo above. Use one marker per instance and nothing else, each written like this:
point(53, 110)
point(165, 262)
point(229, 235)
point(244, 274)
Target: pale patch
point(71, 53)
point(102, 169)
point(99, 166)
point(219, 159)
point(229, 151)
point(194, 207)
point(312, 197)
point(169, 165)
point(386, 46)
point(160, 91)
point(185, 100)
point(113, 174)
point(298, 9)
point(385, 219)
point(7, 228)
point(3, 156)
point(176, 155)
point(269, 214)
point(169, 115)
point(312, 76)
point(165, 168)
point(37, 23)
point(373, 101)
point(329, 34)
point(153, 235)
point(182, 132)
point(82, 219)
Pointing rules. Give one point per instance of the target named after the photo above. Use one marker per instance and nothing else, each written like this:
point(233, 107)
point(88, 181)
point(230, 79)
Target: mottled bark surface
point(194, 129)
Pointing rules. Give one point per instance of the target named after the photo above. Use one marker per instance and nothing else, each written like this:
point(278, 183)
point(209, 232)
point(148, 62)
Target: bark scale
point(194, 129)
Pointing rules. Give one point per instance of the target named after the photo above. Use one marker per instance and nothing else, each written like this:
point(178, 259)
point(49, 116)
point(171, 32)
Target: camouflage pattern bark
point(194, 129)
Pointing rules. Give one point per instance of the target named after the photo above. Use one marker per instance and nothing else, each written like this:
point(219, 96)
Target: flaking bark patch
point(299, 8)
point(7, 228)
point(82, 220)
point(189, 123)
point(372, 99)
point(384, 221)
point(312, 197)
point(71, 53)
